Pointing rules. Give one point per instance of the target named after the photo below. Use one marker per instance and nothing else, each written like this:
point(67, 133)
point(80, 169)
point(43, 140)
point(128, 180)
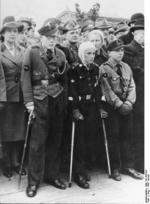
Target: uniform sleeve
point(2, 84)
point(131, 95)
point(108, 94)
point(26, 77)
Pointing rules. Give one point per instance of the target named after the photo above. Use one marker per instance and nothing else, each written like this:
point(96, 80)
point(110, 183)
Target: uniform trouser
point(87, 132)
point(45, 138)
point(120, 139)
point(12, 153)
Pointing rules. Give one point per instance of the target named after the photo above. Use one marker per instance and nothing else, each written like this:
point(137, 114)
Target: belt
point(87, 97)
point(44, 82)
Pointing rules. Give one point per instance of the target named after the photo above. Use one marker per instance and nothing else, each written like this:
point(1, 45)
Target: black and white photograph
point(72, 102)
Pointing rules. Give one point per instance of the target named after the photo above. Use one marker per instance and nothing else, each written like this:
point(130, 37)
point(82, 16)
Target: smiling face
point(49, 42)
point(10, 35)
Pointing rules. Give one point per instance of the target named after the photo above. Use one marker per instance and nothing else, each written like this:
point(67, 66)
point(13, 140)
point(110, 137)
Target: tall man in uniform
point(43, 81)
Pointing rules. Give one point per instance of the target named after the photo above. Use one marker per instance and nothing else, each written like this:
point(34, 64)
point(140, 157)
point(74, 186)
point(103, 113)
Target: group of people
point(69, 73)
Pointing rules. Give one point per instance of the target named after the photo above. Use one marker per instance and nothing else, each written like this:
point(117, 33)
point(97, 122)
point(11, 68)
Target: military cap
point(103, 24)
point(69, 25)
point(9, 22)
point(49, 28)
point(115, 45)
point(87, 26)
point(52, 20)
point(121, 29)
point(26, 20)
point(138, 25)
point(136, 17)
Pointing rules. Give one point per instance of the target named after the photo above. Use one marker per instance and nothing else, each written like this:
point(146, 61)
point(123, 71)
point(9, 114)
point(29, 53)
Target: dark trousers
point(45, 140)
point(120, 139)
point(12, 154)
point(87, 137)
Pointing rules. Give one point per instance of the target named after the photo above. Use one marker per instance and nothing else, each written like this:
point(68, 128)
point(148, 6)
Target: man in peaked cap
point(43, 82)
point(71, 31)
point(134, 56)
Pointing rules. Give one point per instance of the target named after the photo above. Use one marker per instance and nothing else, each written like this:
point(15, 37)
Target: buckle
point(88, 97)
point(45, 82)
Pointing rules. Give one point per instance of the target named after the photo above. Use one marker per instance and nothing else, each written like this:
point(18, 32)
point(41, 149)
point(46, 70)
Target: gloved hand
point(125, 108)
point(77, 115)
point(30, 108)
point(103, 113)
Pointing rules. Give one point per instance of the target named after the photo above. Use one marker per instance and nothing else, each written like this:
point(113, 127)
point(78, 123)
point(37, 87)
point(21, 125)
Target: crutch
point(25, 146)
point(106, 147)
point(71, 154)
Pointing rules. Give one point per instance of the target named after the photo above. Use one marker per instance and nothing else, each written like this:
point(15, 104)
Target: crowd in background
point(69, 72)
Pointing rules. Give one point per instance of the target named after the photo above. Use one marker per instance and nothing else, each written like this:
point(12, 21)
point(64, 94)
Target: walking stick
point(71, 154)
point(24, 148)
point(106, 147)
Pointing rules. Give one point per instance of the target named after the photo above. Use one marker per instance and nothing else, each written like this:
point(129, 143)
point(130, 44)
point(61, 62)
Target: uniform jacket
point(42, 76)
point(83, 84)
point(116, 88)
point(10, 71)
point(73, 50)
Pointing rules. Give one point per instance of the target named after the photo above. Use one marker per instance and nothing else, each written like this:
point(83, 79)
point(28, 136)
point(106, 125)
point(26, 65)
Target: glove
point(103, 113)
point(125, 108)
point(77, 115)
point(30, 107)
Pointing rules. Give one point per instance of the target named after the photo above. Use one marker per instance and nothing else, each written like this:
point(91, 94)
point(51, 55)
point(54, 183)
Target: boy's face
point(73, 35)
point(49, 42)
point(117, 55)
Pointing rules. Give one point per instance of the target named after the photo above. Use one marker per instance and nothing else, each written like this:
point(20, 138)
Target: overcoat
point(12, 117)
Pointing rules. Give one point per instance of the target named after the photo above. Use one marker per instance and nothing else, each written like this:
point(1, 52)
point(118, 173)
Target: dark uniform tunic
point(118, 86)
point(134, 56)
point(85, 95)
point(42, 83)
point(12, 117)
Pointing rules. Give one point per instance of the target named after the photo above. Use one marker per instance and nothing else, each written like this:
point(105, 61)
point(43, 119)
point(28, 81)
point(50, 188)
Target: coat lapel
point(16, 59)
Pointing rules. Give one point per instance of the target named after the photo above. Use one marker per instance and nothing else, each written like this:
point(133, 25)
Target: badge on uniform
point(26, 67)
point(105, 75)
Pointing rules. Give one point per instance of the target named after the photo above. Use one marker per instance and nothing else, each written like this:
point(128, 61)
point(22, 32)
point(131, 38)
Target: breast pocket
point(115, 84)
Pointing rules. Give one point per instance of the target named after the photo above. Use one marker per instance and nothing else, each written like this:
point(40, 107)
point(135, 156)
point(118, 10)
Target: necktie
point(119, 70)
